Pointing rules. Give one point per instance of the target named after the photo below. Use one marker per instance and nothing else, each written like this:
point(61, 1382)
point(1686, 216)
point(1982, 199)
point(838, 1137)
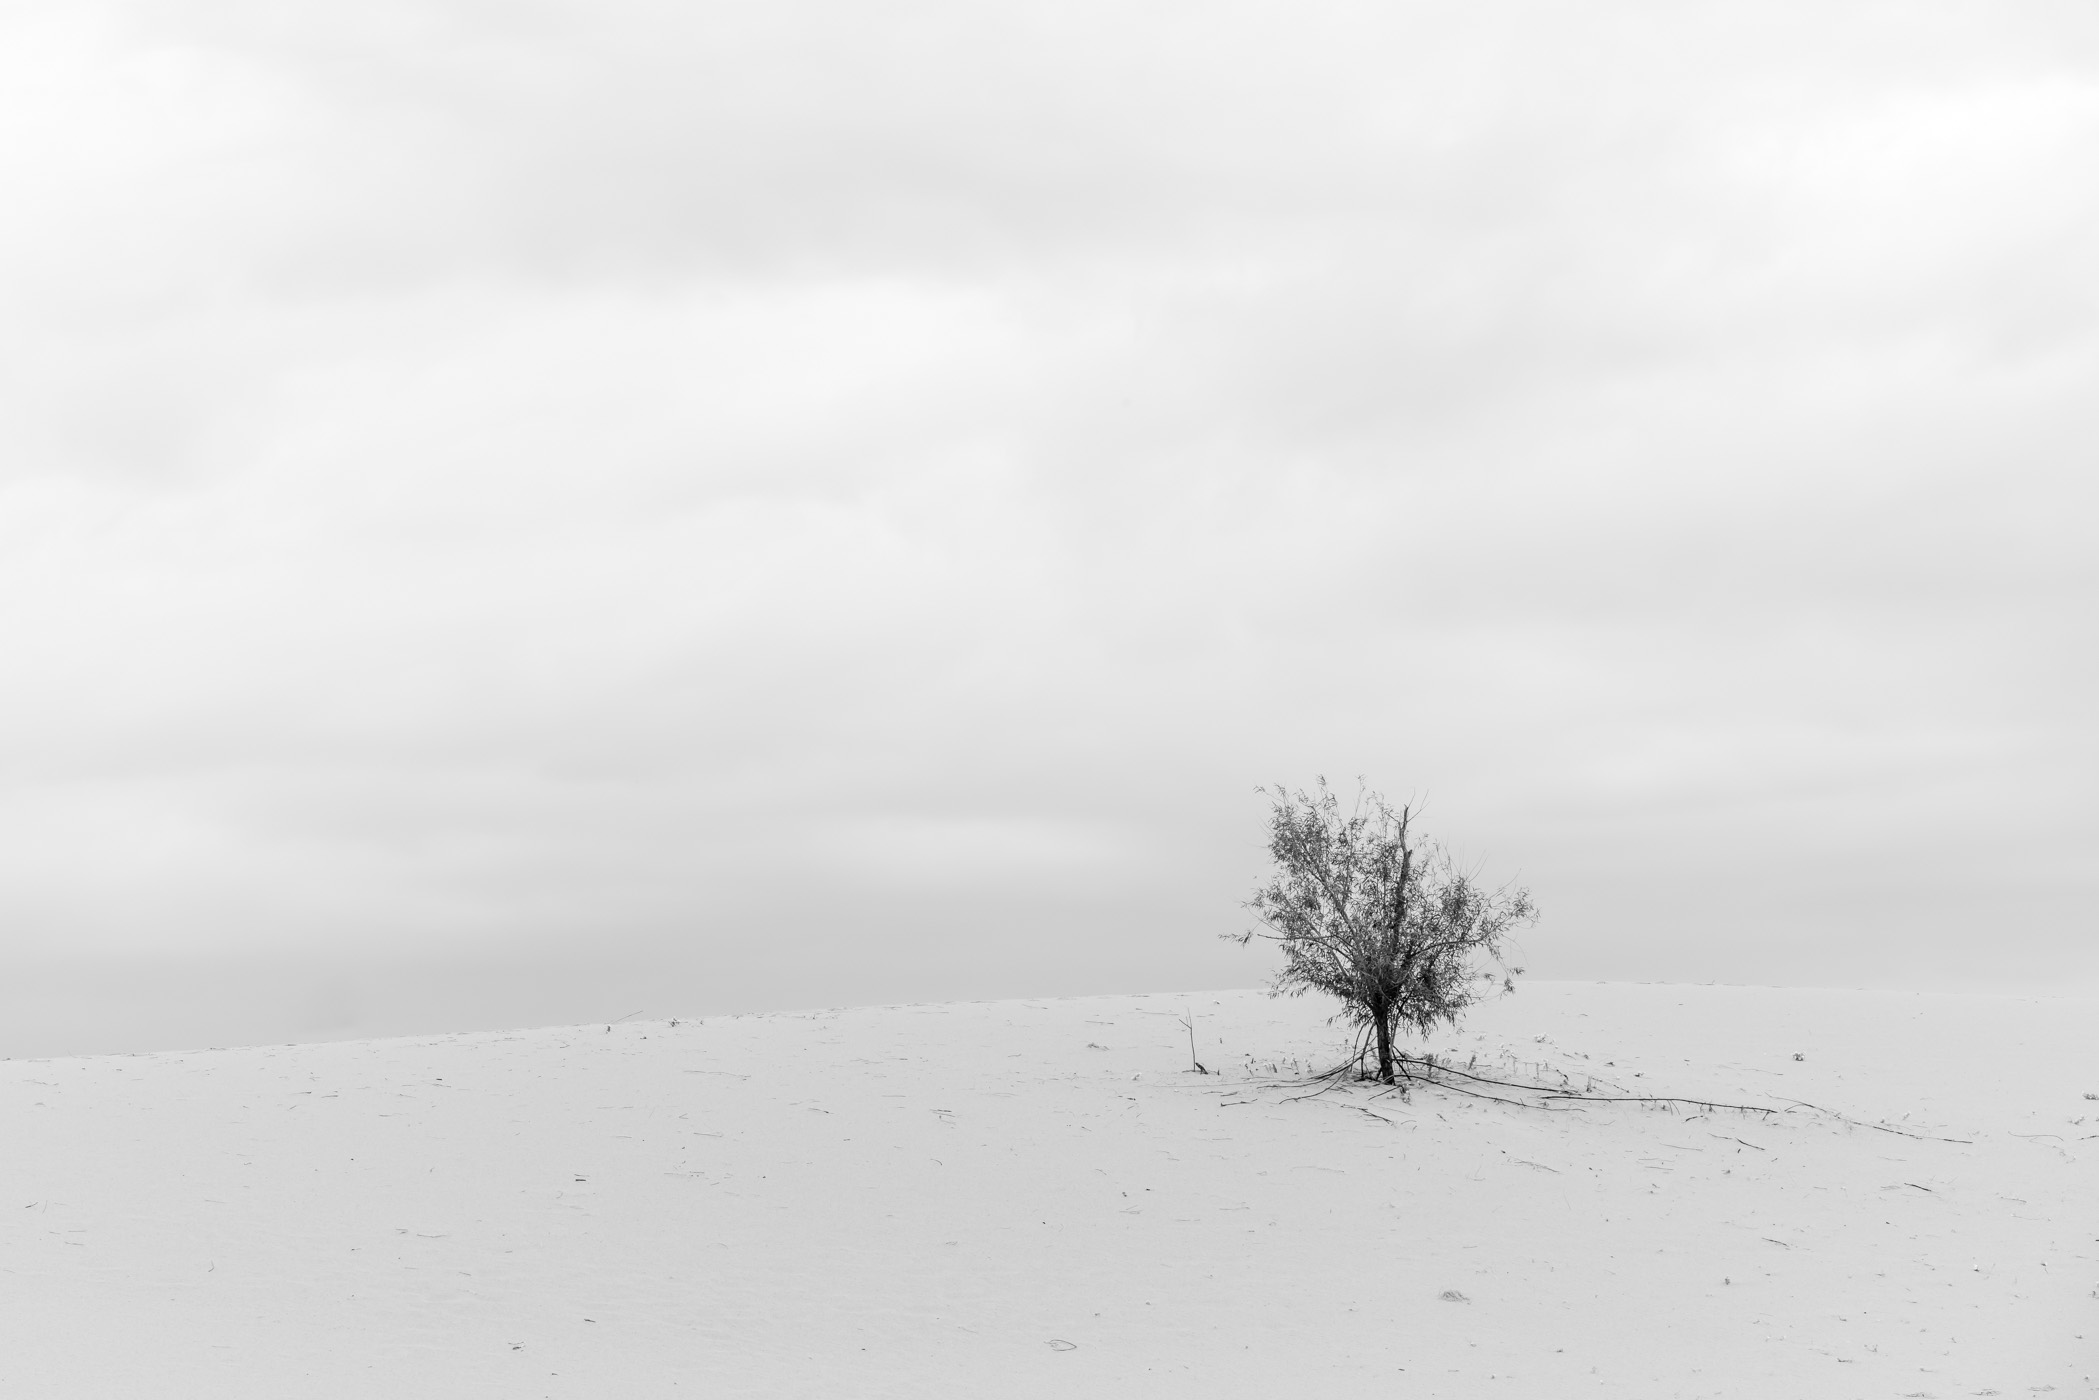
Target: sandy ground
point(1041, 1199)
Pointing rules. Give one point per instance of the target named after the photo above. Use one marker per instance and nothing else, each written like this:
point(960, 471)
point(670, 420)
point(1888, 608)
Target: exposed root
point(1877, 1127)
point(1425, 1069)
point(1414, 1071)
point(1662, 1098)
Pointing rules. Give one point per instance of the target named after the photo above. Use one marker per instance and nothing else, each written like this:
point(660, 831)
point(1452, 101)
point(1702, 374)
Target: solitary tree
point(1368, 911)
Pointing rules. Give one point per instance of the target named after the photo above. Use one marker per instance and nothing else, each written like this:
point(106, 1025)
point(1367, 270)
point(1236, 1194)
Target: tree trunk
point(1381, 1009)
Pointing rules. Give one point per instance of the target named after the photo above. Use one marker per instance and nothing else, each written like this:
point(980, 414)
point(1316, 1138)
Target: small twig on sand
point(1189, 1022)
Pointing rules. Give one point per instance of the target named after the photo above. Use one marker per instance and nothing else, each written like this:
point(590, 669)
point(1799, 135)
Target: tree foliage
point(1370, 912)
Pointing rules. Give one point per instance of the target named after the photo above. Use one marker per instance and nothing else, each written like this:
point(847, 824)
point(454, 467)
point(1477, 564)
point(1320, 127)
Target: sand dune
point(1040, 1199)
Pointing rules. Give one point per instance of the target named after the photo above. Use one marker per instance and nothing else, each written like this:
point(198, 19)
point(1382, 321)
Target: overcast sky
point(858, 496)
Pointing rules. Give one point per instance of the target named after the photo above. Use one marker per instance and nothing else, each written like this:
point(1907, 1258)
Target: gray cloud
point(785, 478)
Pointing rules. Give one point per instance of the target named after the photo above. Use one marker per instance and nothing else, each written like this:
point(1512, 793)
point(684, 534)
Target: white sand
point(1036, 1198)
